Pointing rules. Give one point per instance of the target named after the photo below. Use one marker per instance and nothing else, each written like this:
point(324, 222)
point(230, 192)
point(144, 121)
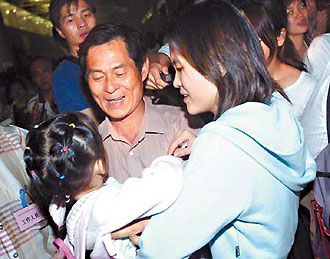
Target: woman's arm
point(213, 195)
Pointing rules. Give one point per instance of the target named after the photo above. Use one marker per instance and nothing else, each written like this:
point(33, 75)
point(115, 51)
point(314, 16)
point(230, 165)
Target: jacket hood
point(272, 136)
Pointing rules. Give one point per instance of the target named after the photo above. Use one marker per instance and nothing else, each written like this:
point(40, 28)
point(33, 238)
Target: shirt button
point(15, 255)
point(1, 227)
point(131, 153)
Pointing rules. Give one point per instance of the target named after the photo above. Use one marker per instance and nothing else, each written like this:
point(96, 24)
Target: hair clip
point(32, 172)
point(27, 148)
point(72, 125)
point(67, 198)
point(62, 177)
point(64, 149)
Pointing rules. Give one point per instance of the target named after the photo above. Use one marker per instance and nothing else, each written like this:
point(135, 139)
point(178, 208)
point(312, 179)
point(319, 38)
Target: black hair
point(39, 57)
point(60, 155)
point(105, 33)
point(213, 36)
point(55, 8)
point(16, 80)
point(269, 17)
point(288, 2)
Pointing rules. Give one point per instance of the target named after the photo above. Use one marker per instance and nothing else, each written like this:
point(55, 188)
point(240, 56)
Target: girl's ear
point(99, 168)
point(281, 37)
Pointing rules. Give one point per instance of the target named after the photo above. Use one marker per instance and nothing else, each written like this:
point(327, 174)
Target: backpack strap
point(72, 59)
point(61, 245)
point(328, 115)
point(319, 210)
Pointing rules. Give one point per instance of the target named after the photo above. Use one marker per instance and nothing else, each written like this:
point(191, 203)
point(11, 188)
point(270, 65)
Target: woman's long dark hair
point(214, 35)
point(268, 17)
point(60, 156)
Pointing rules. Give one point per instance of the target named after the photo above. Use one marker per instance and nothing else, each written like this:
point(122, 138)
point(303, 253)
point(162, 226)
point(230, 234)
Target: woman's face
point(199, 94)
point(297, 17)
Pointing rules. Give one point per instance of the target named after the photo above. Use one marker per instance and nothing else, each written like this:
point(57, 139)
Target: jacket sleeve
point(136, 198)
point(213, 196)
point(140, 197)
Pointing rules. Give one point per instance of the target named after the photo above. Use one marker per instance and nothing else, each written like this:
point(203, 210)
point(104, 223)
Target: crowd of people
point(223, 173)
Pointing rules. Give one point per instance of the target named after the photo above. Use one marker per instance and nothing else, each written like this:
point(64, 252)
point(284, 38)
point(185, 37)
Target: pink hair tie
point(32, 172)
point(64, 149)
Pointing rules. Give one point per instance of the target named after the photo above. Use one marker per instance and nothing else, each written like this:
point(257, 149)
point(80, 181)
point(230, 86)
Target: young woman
point(269, 19)
point(297, 24)
point(246, 167)
point(66, 160)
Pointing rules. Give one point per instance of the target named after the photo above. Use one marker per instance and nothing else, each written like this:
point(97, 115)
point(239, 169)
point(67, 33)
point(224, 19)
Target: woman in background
point(269, 19)
point(297, 25)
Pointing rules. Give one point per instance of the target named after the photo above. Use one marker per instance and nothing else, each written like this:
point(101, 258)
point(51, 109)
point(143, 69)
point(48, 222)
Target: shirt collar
point(152, 123)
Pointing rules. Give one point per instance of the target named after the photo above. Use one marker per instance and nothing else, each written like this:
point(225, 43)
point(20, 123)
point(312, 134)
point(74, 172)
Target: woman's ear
point(281, 37)
point(222, 69)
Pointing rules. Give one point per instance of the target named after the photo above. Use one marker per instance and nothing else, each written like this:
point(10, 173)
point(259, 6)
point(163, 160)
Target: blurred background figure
point(6, 112)
point(32, 107)
point(18, 98)
point(42, 105)
point(318, 13)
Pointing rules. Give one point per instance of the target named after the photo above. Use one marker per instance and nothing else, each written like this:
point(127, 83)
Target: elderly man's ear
point(145, 69)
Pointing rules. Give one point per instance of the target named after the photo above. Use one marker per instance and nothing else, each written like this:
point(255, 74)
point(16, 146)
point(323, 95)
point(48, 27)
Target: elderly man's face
point(114, 80)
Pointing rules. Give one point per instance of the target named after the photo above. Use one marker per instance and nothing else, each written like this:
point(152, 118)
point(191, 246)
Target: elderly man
point(134, 131)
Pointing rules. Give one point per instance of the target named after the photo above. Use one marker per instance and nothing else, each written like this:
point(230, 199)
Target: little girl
point(67, 162)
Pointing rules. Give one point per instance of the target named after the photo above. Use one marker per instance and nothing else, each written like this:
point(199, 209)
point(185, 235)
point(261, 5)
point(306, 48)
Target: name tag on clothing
point(28, 216)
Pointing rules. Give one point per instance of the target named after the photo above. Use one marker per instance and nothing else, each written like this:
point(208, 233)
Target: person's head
point(18, 91)
point(269, 19)
point(218, 60)
point(72, 21)
point(311, 8)
point(65, 157)
point(115, 65)
point(41, 71)
point(297, 17)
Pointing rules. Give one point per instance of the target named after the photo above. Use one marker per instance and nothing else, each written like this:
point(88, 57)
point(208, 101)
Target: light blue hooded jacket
point(241, 191)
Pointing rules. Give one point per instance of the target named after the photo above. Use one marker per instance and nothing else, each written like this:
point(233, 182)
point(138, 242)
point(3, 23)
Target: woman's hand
point(181, 146)
point(131, 230)
point(321, 22)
